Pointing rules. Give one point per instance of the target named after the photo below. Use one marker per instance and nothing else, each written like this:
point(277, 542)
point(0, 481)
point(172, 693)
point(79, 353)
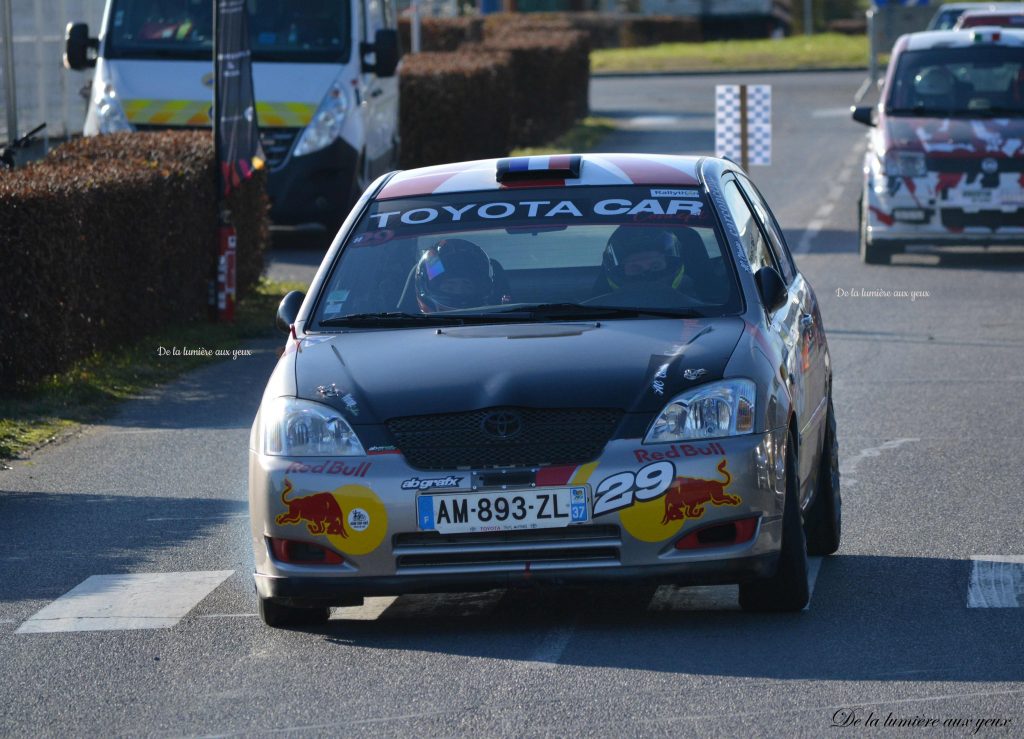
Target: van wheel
point(823, 521)
point(282, 617)
point(787, 589)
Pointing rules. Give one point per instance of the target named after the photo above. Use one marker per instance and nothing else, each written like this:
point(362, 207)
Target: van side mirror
point(385, 50)
point(772, 289)
point(77, 45)
point(864, 114)
point(288, 310)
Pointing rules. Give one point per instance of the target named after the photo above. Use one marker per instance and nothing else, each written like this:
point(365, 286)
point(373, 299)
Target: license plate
point(507, 510)
point(976, 197)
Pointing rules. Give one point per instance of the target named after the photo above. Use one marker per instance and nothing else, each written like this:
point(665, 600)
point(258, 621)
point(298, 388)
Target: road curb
point(713, 72)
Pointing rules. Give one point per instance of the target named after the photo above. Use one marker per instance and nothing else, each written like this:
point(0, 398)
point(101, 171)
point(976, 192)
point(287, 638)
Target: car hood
point(633, 365)
point(957, 137)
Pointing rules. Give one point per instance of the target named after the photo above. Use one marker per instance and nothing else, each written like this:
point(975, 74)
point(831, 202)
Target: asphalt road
point(927, 394)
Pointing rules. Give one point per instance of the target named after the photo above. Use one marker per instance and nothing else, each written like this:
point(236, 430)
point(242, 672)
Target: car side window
point(766, 218)
point(754, 242)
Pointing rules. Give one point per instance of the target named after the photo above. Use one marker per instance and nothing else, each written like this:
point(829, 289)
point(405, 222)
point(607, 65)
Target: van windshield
point(279, 30)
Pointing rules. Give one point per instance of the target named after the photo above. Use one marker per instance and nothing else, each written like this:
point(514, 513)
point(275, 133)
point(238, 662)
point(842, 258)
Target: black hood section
point(632, 365)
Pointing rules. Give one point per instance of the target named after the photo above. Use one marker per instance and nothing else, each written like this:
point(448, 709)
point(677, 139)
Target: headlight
point(710, 411)
point(898, 163)
point(326, 124)
point(300, 428)
point(110, 115)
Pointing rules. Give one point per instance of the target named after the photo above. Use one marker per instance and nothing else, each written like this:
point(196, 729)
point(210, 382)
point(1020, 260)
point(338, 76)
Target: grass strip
point(582, 137)
point(821, 51)
point(88, 391)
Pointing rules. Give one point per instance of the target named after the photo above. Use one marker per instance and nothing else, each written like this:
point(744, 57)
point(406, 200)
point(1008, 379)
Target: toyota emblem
point(502, 425)
point(989, 165)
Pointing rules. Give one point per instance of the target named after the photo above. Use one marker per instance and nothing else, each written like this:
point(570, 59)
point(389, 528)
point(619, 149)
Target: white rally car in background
point(945, 156)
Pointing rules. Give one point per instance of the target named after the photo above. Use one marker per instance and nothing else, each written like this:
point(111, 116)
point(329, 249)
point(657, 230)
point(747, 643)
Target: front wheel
point(787, 589)
point(870, 252)
point(824, 519)
point(282, 617)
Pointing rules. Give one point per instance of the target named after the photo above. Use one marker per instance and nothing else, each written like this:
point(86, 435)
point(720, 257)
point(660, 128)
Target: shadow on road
point(872, 618)
point(107, 535)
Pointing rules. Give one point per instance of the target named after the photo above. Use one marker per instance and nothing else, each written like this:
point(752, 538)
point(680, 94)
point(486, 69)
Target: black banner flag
point(236, 132)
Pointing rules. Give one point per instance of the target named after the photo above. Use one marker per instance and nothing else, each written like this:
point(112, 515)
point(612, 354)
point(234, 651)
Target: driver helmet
point(640, 255)
point(934, 82)
point(454, 274)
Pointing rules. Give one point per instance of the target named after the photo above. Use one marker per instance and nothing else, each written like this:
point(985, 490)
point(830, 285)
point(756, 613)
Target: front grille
point(992, 219)
point(549, 436)
point(276, 143)
point(971, 165)
point(507, 551)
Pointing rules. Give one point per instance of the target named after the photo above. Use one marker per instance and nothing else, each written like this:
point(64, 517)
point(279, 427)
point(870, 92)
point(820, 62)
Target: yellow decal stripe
point(583, 474)
point(197, 113)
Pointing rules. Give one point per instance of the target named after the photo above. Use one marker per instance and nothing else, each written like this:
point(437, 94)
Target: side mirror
point(77, 45)
point(288, 310)
point(385, 49)
point(864, 114)
point(772, 289)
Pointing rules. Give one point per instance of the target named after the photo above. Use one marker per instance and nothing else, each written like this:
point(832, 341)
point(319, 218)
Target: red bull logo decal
point(330, 468)
point(675, 451)
point(352, 517)
point(657, 512)
point(687, 496)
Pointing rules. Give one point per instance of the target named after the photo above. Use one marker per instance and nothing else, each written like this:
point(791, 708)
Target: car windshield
point(279, 30)
point(973, 81)
point(532, 255)
point(946, 19)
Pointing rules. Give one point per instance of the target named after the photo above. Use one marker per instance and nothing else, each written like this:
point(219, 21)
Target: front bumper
point(903, 211)
point(315, 188)
point(389, 555)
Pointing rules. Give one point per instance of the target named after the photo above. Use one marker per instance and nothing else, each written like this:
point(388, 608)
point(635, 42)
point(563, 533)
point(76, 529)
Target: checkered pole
point(743, 124)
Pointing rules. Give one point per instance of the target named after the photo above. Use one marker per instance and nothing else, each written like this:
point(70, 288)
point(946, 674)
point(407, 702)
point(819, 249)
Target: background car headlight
point(110, 117)
point(898, 163)
point(326, 124)
point(710, 411)
point(300, 428)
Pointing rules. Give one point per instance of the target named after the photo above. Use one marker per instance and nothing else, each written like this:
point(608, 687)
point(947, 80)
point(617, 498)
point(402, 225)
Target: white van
point(324, 78)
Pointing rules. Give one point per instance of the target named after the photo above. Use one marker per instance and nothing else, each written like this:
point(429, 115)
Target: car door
point(784, 322)
point(379, 95)
point(814, 359)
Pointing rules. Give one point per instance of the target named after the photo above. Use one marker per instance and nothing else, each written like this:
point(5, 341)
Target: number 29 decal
point(624, 488)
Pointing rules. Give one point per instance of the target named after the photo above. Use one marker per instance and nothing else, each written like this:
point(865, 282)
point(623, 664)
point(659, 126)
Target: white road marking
point(134, 601)
point(813, 566)
point(815, 226)
point(549, 651)
point(371, 609)
point(652, 121)
point(228, 615)
point(997, 581)
point(201, 518)
point(831, 113)
point(668, 598)
point(848, 466)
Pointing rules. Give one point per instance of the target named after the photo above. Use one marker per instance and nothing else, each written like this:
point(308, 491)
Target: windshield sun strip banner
point(538, 211)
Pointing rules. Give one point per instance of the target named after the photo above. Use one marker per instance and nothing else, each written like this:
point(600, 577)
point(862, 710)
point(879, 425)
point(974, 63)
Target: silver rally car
point(560, 370)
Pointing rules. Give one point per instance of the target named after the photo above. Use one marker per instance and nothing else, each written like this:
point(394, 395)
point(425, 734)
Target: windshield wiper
point(392, 319)
point(555, 311)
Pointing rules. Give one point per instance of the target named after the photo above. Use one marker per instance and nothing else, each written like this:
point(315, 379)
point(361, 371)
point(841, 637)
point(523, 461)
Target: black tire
point(786, 590)
point(823, 521)
point(282, 617)
point(870, 252)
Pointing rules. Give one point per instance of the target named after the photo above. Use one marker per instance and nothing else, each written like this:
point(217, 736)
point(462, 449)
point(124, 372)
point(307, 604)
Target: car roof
point(594, 169)
point(966, 37)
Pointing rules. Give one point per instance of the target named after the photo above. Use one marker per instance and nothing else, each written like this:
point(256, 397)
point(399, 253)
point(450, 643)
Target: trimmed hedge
point(454, 107)
point(110, 238)
point(550, 83)
point(605, 30)
point(441, 34)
